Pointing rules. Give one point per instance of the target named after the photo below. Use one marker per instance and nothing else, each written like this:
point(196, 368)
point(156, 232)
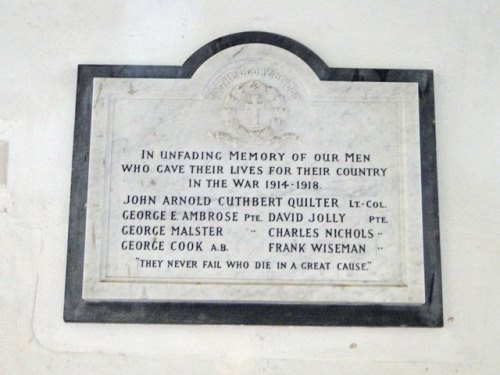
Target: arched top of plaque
point(212, 48)
point(325, 73)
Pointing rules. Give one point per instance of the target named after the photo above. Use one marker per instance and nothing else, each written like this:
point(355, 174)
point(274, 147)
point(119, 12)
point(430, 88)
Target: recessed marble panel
point(254, 181)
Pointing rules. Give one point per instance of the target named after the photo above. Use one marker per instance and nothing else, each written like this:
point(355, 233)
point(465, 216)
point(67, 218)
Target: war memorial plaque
point(254, 185)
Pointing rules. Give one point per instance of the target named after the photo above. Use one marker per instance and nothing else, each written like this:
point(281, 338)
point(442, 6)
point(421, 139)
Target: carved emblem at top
point(254, 109)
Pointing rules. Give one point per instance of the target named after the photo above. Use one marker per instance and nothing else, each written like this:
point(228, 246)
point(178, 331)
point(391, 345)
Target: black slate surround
point(76, 309)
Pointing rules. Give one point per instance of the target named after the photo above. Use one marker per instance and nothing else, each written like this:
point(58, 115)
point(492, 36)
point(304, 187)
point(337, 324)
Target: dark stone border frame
point(77, 310)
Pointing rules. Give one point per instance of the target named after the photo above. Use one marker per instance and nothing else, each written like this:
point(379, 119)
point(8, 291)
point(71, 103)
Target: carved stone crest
point(254, 111)
point(256, 107)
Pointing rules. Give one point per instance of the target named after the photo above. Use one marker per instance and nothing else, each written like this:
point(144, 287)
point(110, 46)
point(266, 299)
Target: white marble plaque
point(254, 181)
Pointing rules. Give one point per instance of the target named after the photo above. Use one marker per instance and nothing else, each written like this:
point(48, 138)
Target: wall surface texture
point(41, 44)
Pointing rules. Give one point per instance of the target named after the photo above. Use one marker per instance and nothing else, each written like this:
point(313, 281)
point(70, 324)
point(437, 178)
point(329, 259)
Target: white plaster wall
point(41, 43)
